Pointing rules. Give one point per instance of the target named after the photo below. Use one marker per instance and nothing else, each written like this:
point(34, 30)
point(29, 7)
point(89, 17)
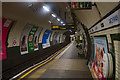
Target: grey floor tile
point(66, 74)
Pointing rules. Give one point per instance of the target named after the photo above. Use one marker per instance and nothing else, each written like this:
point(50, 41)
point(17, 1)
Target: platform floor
point(66, 65)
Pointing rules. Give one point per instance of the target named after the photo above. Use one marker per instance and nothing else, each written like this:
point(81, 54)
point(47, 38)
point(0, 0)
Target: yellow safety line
point(40, 65)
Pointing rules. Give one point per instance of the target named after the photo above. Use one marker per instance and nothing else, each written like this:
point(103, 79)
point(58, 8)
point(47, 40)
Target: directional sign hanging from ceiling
point(81, 5)
point(60, 27)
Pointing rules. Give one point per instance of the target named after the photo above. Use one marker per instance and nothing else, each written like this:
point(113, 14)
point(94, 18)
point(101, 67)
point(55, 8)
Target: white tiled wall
point(117, 57)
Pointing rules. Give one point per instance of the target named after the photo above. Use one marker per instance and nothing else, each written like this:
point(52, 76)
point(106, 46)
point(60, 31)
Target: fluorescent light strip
point(46, 8)
point(61, 22)
point(49, 22)
point(53, 15)
point(58, 19)
point(64, 24)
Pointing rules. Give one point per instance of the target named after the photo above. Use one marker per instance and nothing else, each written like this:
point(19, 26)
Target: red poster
point(97, 73)
point(6, 24)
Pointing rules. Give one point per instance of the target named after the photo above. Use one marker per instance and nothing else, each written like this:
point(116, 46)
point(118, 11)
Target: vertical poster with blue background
point(56, 38)
point(46, 39)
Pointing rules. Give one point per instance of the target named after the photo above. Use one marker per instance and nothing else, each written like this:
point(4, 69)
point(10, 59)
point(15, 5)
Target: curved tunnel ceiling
point(90, 17)
point(37, 16)
point(34, 14)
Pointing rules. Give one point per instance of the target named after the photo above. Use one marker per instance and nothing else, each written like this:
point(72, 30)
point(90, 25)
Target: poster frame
point(6, 45)
point(27, 39)
point(102, 36)
point(50, 33)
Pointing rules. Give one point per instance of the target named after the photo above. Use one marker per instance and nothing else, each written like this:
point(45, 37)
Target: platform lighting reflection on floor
point(44, 7)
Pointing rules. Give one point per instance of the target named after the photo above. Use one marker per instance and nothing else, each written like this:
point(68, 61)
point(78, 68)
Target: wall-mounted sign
point(81, 5)
point(110, 21)
point(46, 39)
point(4, 29)
point(56, 38)
point(60, 27)
point(14, 42)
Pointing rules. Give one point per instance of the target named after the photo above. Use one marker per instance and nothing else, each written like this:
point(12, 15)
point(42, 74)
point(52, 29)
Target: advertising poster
point(99, 66)
point(36, 39)
point(63, 38)
point(56, 38)
point(46, 39)
point(53, 39)
point(6, 24)
point(31, 38)
point(60, 38)
point(24, 39)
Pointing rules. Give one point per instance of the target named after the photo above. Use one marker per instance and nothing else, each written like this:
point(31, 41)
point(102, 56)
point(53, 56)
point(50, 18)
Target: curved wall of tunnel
point(102, 24)
point(23, 22)
point(22, 16)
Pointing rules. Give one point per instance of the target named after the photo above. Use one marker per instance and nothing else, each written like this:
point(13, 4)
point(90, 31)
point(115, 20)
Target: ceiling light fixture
point(61, 22)
point(44, 7)
point(49, 22)
point(58, 19)
point(53, 15)
point(70, 30)
point(30, 4)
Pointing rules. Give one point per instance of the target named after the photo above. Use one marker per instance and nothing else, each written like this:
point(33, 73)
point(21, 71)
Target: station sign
point(81, 5)
point(108, 22)
point(60, 27)
point(14, 42)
